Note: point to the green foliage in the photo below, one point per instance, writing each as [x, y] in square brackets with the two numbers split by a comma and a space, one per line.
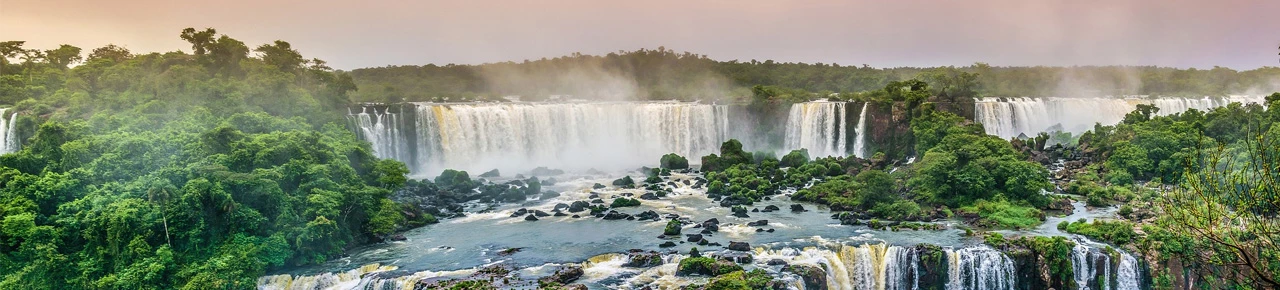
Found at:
[625, 182]
[674, 161]
[1116, 232]
[731, 154]
[624, 202]
[706, 266]
[795, 158]
[1002, 214]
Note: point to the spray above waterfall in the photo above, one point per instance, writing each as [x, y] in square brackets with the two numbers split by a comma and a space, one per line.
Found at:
[1010, 117]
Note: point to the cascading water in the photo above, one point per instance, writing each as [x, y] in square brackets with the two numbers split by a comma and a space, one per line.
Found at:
[1010, 117]
[8, 134]
[1096, 269]
[822, 127]
[518, 136]
[860, 144]
[979, 268]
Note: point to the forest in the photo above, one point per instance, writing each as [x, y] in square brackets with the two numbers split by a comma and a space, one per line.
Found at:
[210, 168]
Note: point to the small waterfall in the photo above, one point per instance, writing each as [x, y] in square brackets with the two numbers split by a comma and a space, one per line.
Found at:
[518, 136]
[860, 144]
[1096, 269]
[8, 135]
[979, 268]
[820, 126]
[848, 267]
[1010, 117]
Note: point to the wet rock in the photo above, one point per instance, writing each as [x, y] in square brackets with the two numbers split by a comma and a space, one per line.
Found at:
[549, 195]
[714, 244]
[615, 215]
[490, 174]
[558, 213]
[631, 218]
[597, 201]
[520, 212]
[813, 277]
[576, 216]
[672, 216]
[759, 230]
[705, 232]
[667, 244]
[776, 262]
[703, 242]
[736, 257]
[643, 259]
[594, 195]
[770, 208]
[759, 223]
[531, 218]
[647, 215]
[540, 213]
[739, 246]
[564, 275]
[769, 230]
[543, 171]
[560, 206]
[508, 252]
[649, 196]
[398, 238]
[797, 208]
[711, 225]
[694, 238]
[578, 206]
[755, 210]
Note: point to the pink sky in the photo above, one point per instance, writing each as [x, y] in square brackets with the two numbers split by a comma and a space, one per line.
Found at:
[1241, 34]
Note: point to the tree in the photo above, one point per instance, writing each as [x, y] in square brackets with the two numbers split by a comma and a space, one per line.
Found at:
[110, 52]
[65, 55]
[282, 55]
[1231, 207]
[200, 40]
[10, 49]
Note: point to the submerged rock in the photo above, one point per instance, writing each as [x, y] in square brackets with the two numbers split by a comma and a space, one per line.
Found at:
[759, 223]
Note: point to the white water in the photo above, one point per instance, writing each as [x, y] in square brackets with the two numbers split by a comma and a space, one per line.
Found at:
[1010, 117]
[821, 127]
[979, 268]
[860, 145]
[8, 136]
[1096, 270]
[519, 136]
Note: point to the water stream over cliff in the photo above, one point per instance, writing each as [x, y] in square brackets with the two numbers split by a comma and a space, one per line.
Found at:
[1010, 117]
[8, 134]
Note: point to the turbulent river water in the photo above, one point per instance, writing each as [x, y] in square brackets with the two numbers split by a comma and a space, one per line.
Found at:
[855, 257]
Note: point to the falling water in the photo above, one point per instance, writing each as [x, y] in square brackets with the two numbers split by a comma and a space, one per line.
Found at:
[821, 127]
[1095, 269]
[519, 136]
[1009, 117]
[867, 266]
[979, 268]
[8, 136]
[860, 145]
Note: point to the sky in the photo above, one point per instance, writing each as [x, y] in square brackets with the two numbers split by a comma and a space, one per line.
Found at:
[1240, 34]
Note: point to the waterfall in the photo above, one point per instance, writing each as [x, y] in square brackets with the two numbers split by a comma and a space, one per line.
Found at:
[848, 267]
[860, 144]
[979, 268]
[819, 126]
[1010, 117]
[8, 135]
[519, 136]
[1095, 269]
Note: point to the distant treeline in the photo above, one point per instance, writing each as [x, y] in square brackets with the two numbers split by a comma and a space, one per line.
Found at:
[664, 74]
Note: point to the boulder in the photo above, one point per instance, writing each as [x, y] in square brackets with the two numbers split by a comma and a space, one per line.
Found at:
[694, 238]
[615, 215]
[649, 196]
[598, 186]
[759, 223]
[530, 218]
[561, 206]
[597, 201]
[558, 213]
[540, 213]
[736, 257]
[813, 277]
[776, 262]
[647, 215]
[578, 206]
[667, 244]
[520, 212]
[797, 208]
[770, 208]
[643, 259]
[564, 275]
[739, 246]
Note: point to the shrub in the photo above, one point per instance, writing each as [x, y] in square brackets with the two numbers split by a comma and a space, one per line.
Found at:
[624, 202]
[1002, 214]
[673, 228]
[673, 161]
[796, 158]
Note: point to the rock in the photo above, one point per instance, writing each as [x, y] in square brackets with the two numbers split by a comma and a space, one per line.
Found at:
[705, 232]
[578, 206]
[813, 277]
[558, 213]
[647, 215]
[776, 262]
[739, 246]
[797, 208]
[540, 213]
[755, 210]
[549, 195]
[741, 215]
[711, 225]
[649, 196]
[508, 252]
[736, 257]
[759, 230]
[672, 216]
[597, 186]
[490, 174]
[576, 216]
[594, 195]
[667, 244]
[642, 259]
[770, 208]
[520, 212]
[759, 223]
[543, 171]
[597, 201]
[769, 230]
[703, 242]
[694, 238]
[399, 238]
[714, 244]
[531, 218]
[564, 276]
[561, 206]
[615, 215]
